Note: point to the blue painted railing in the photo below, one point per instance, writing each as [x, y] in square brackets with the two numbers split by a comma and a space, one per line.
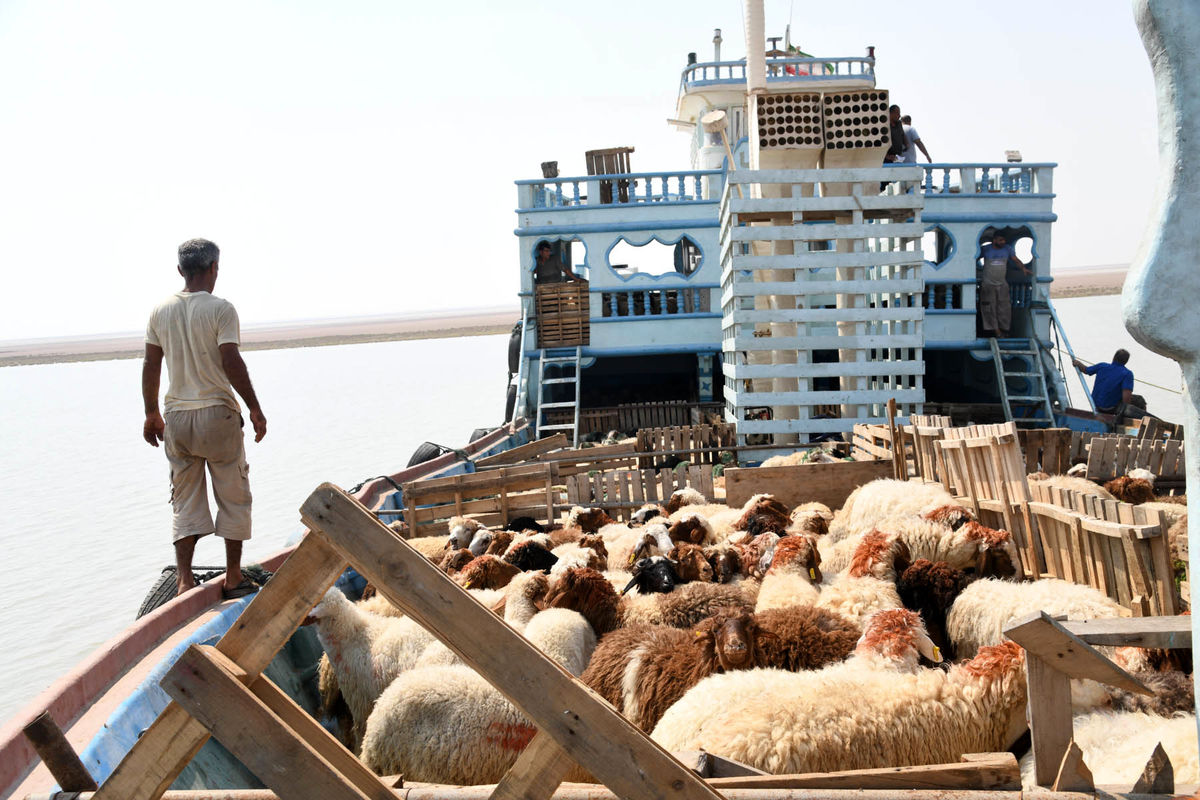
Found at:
[989, 180]
[948, 294]
[780, 70]
[665, 302]
[624, 189]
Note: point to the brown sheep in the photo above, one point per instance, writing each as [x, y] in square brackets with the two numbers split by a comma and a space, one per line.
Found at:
[930, 588]
[487, 572]
[723, 559]
[690, 604]
[686, 496]
[810, 518]
[1131, 490]
[560, 534]
[761, 514]
[879, 555]
[501, 540]
[596, 543]
[588, 520]
[690, 563]
[642, 671]
[798, 552]
[806, 637]
[587, 591]
[455, 560]
[692, 529]
[1174, 693]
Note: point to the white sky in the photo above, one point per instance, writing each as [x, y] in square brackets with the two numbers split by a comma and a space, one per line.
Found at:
[357, 158]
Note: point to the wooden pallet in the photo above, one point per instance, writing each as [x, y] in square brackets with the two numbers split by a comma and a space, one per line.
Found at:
[1047, 449]
[562, 314]
[675, 442]
[621, 492]
[492, 497]
[1113, 456]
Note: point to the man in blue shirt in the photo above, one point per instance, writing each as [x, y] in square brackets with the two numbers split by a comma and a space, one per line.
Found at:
[995, 304]
[1114, 382]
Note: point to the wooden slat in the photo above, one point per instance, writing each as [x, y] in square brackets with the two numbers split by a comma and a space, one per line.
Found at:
[1165, 632]
[211, 689]
[1046, 638]
[589, 730]
[830, 484]
[982, 771]
[536, 773]
[166, 747]
[523, 452]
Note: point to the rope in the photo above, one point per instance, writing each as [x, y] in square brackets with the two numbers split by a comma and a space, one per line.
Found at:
[1135, 380]
[364, 482]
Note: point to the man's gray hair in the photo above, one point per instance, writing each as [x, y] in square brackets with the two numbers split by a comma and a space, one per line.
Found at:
[197, 255]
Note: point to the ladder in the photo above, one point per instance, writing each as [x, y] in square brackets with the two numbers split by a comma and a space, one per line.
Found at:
[564, 357]
[1022, 353]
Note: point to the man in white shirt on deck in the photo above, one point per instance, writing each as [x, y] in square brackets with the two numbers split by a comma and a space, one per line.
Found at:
[913, 140]
[199, 335]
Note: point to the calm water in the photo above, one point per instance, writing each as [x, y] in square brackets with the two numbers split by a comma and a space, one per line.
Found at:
[86, 522]
[85, 525]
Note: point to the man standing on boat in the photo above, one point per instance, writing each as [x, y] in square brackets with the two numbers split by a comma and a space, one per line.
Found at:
[199, 336]
[549, 269]
[995, 300]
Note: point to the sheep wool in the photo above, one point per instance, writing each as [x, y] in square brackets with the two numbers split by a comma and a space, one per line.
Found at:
[1117, 745]
[1075, 484]
[882, 498]
[449, 725]
[852, 716]
[689, 604]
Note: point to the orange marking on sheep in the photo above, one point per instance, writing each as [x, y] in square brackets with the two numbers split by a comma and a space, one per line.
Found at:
[513, 738]
[795, 549]
[989, 536]
[875, 546]
[891, 633]
[995, 659]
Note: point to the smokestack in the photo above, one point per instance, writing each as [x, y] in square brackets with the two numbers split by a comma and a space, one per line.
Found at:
[756, 59]
[717, 45]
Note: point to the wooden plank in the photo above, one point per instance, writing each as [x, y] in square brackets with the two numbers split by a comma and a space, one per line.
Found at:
[1158, 776]
[983, 771]
[210, 688]
[1046, 638]
[536, 773]
[1166, 632]
[1073, 775]
[523, 452]
[1049, 715]
[589, 730]
[171, 741]
[56, 753]
[830, 484]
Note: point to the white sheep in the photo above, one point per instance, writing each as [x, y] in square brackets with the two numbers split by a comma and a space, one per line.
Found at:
[882, 498]
[868, 584]
[462, 531]
[1117, 745]
[852, 715]
[1073, 483]
[960, 549]
[793, 577]
[449, 725]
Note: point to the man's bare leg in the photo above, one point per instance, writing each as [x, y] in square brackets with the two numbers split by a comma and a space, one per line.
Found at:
[184, 549]
[233, 563]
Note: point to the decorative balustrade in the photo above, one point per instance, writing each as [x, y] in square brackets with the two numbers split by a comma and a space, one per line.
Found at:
[945, 295]
[780, 70]
[995, 179]
[646, 302]
[626, 189]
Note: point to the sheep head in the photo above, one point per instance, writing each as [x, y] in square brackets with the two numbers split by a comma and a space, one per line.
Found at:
[763, 513]
[691, 564]
[931, 582]
[724, 562]
[588, 520]
[730, 643]
[810, 518]
[646, 513]
[952, 516]
[596, 544]
[686, 496]
[455, 560]
[652, 575]
[487, 572]
[997, 556]
[500, 542]
[530, 555]
[522, 524]
[1131, 490]
[880, 555]
[897, 635]
[481, 542]
[532, 586]
[691, 528]
[462, 531]
[798, 555]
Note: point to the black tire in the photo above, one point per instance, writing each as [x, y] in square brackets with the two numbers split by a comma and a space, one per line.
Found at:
[425, 452]
[510, 403]
[514, 349]
[162, 591]
[479, 433]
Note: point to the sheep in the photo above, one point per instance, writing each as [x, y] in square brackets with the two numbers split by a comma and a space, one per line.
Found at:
[687, 496]
[522, 524]
[501, 541]
[1141, 474]
[881, 498]
[590, 593]
[365, 651]
[655, 540]
[588, 520]
[793, 576]
[1076, 484]
[931, 588]
[811, 518]
[644, 669]
[530, 555]
[869, 584]
[689, 604]
[646, 513]
[449, 725]
[431, 547]
[723, 559]
[593, 554]
[650, 575]
[487, 572]
[755, 553]
[991, 553]
[986, 607]
[690, 563]
[852, 715]
[805, 637]
[1174, 693]
[1173, 511]
[1130, 490]
[692, 528]
[1116, 746]
[762, 513]
[454, 560]
[462, 531]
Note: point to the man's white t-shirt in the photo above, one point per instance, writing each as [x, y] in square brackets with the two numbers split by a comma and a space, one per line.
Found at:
[190, 327]
[909, 156]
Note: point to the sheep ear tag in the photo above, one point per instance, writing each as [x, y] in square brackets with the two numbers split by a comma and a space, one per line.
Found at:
[937, 654]
[467, 585]
[631, 559]
[812, 573]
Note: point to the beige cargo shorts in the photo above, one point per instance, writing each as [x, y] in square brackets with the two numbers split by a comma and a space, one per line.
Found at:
[212, 437]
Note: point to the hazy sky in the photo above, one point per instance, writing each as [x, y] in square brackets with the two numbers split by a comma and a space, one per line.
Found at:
[357, 158]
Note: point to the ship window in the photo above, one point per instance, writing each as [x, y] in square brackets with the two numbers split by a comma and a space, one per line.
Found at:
[682, 257]
[937, 246]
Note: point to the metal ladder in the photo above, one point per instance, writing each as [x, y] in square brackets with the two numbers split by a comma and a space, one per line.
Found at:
[565, 357]
[1040, 398]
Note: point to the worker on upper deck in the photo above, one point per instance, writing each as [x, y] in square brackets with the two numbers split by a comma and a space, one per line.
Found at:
[995, 300]
[549, 268]
[1112, 391]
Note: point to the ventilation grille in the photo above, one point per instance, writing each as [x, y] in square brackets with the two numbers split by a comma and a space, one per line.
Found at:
[789, 121]
[856, 120]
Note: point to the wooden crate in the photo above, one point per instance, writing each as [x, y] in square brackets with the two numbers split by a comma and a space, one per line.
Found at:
[493, 498]
[1047, 450]
[664, 444]
[830, 484]
[621, 492]
[562, 314]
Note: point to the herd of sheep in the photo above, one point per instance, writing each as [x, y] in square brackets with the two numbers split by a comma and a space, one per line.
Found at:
[789, 639]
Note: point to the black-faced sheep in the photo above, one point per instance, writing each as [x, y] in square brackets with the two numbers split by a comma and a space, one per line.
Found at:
[530, 555]
[652, 575]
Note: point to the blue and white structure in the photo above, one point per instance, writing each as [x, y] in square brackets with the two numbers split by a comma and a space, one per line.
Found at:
[808, 283]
